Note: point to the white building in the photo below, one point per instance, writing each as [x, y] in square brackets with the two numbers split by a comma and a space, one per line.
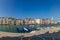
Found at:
[37, 21]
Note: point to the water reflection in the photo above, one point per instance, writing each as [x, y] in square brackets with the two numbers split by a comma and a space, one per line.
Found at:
[8, 28]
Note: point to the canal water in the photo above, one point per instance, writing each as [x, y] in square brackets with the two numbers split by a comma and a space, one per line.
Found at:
[12, 28]
[8, 28]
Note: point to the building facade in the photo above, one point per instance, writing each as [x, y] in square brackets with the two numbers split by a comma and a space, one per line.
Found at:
[19, 22]
[26, 21]
[31, 21]
[37, 21]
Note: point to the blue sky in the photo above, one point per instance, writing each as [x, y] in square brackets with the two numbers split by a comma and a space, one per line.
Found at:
[30, 8]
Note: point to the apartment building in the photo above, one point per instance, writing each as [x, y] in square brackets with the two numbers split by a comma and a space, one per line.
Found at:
[37, 21]
[19, 22]
[26, 21]
[31, 21]
[7, 20]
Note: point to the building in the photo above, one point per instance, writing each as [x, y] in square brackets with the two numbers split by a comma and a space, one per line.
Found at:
[13, 21]
[19, 22]
[37, 21]
[26, 21]
[1, 20]
[7, 20]
[31, 21]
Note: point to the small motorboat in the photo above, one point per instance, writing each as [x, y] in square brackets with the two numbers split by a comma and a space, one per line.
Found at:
[20, 29]
[26, 29]
[23, 29]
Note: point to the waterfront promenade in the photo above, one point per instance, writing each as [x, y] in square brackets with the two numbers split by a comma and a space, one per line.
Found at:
[39, 32]
[52, 33]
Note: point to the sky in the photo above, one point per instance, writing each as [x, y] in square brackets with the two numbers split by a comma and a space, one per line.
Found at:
[30, 8]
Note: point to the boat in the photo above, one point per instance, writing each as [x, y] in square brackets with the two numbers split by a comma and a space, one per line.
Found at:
[23, 29]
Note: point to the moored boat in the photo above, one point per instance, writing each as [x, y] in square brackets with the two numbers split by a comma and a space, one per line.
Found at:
[23, 29]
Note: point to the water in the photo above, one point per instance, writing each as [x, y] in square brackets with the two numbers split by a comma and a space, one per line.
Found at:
[12, 28]
[8, 28]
